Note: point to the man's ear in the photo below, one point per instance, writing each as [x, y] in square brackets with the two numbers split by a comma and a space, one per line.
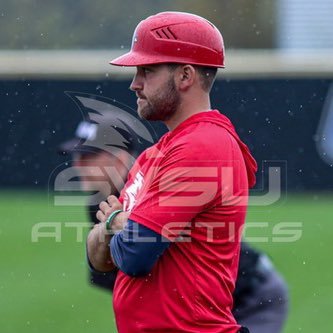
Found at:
[186, 76]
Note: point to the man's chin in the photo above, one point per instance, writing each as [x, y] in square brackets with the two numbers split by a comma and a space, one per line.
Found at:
[144, 113]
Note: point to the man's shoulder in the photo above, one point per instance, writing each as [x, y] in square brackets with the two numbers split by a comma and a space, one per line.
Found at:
[205, 135]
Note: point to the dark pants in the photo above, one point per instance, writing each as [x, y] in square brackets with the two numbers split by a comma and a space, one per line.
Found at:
[244, 330]
[265, 310]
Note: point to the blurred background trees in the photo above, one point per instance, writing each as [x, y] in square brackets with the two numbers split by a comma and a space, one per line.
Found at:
[104, 24]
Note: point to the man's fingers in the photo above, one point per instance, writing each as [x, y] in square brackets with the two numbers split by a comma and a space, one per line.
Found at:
[112, 199]
[101, 216]
[114, 202]
[105, 208]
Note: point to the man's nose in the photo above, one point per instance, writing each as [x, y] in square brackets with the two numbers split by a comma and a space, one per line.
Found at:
[137, 83]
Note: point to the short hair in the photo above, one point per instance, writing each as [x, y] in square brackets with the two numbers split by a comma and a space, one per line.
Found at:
[207, 75]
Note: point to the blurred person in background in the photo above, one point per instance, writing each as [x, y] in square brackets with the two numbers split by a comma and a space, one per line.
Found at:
[260, 296]
[103, 153]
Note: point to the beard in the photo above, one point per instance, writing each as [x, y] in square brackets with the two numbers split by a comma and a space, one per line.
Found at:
[163, 105]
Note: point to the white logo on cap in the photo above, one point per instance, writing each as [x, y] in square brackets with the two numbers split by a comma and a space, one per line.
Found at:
[86, 131]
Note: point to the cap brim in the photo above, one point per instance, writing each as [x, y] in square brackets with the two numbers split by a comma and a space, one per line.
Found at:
[69, 146]
[75, 145]
[134, 59]
[137, 59]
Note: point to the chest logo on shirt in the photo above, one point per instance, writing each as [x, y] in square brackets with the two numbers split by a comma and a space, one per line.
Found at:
[131, 192]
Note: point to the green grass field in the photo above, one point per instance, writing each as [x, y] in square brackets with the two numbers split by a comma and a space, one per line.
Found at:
[43, 285]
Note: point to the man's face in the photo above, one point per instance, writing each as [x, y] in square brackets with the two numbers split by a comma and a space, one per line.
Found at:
[158, 98]
[100, 171]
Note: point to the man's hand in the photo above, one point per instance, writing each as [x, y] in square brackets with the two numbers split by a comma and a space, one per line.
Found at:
[107, 207]
[98, 248]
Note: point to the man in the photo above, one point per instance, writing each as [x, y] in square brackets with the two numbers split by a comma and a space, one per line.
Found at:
[103, 150]
[179, 217]
[260, 296]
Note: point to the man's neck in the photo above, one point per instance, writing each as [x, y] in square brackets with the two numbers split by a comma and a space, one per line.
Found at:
[185, 111]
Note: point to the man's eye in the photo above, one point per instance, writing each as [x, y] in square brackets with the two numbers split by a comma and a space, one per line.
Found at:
[147, 70]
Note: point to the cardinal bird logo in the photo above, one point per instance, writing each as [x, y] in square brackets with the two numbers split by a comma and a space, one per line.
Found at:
[111, 126]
